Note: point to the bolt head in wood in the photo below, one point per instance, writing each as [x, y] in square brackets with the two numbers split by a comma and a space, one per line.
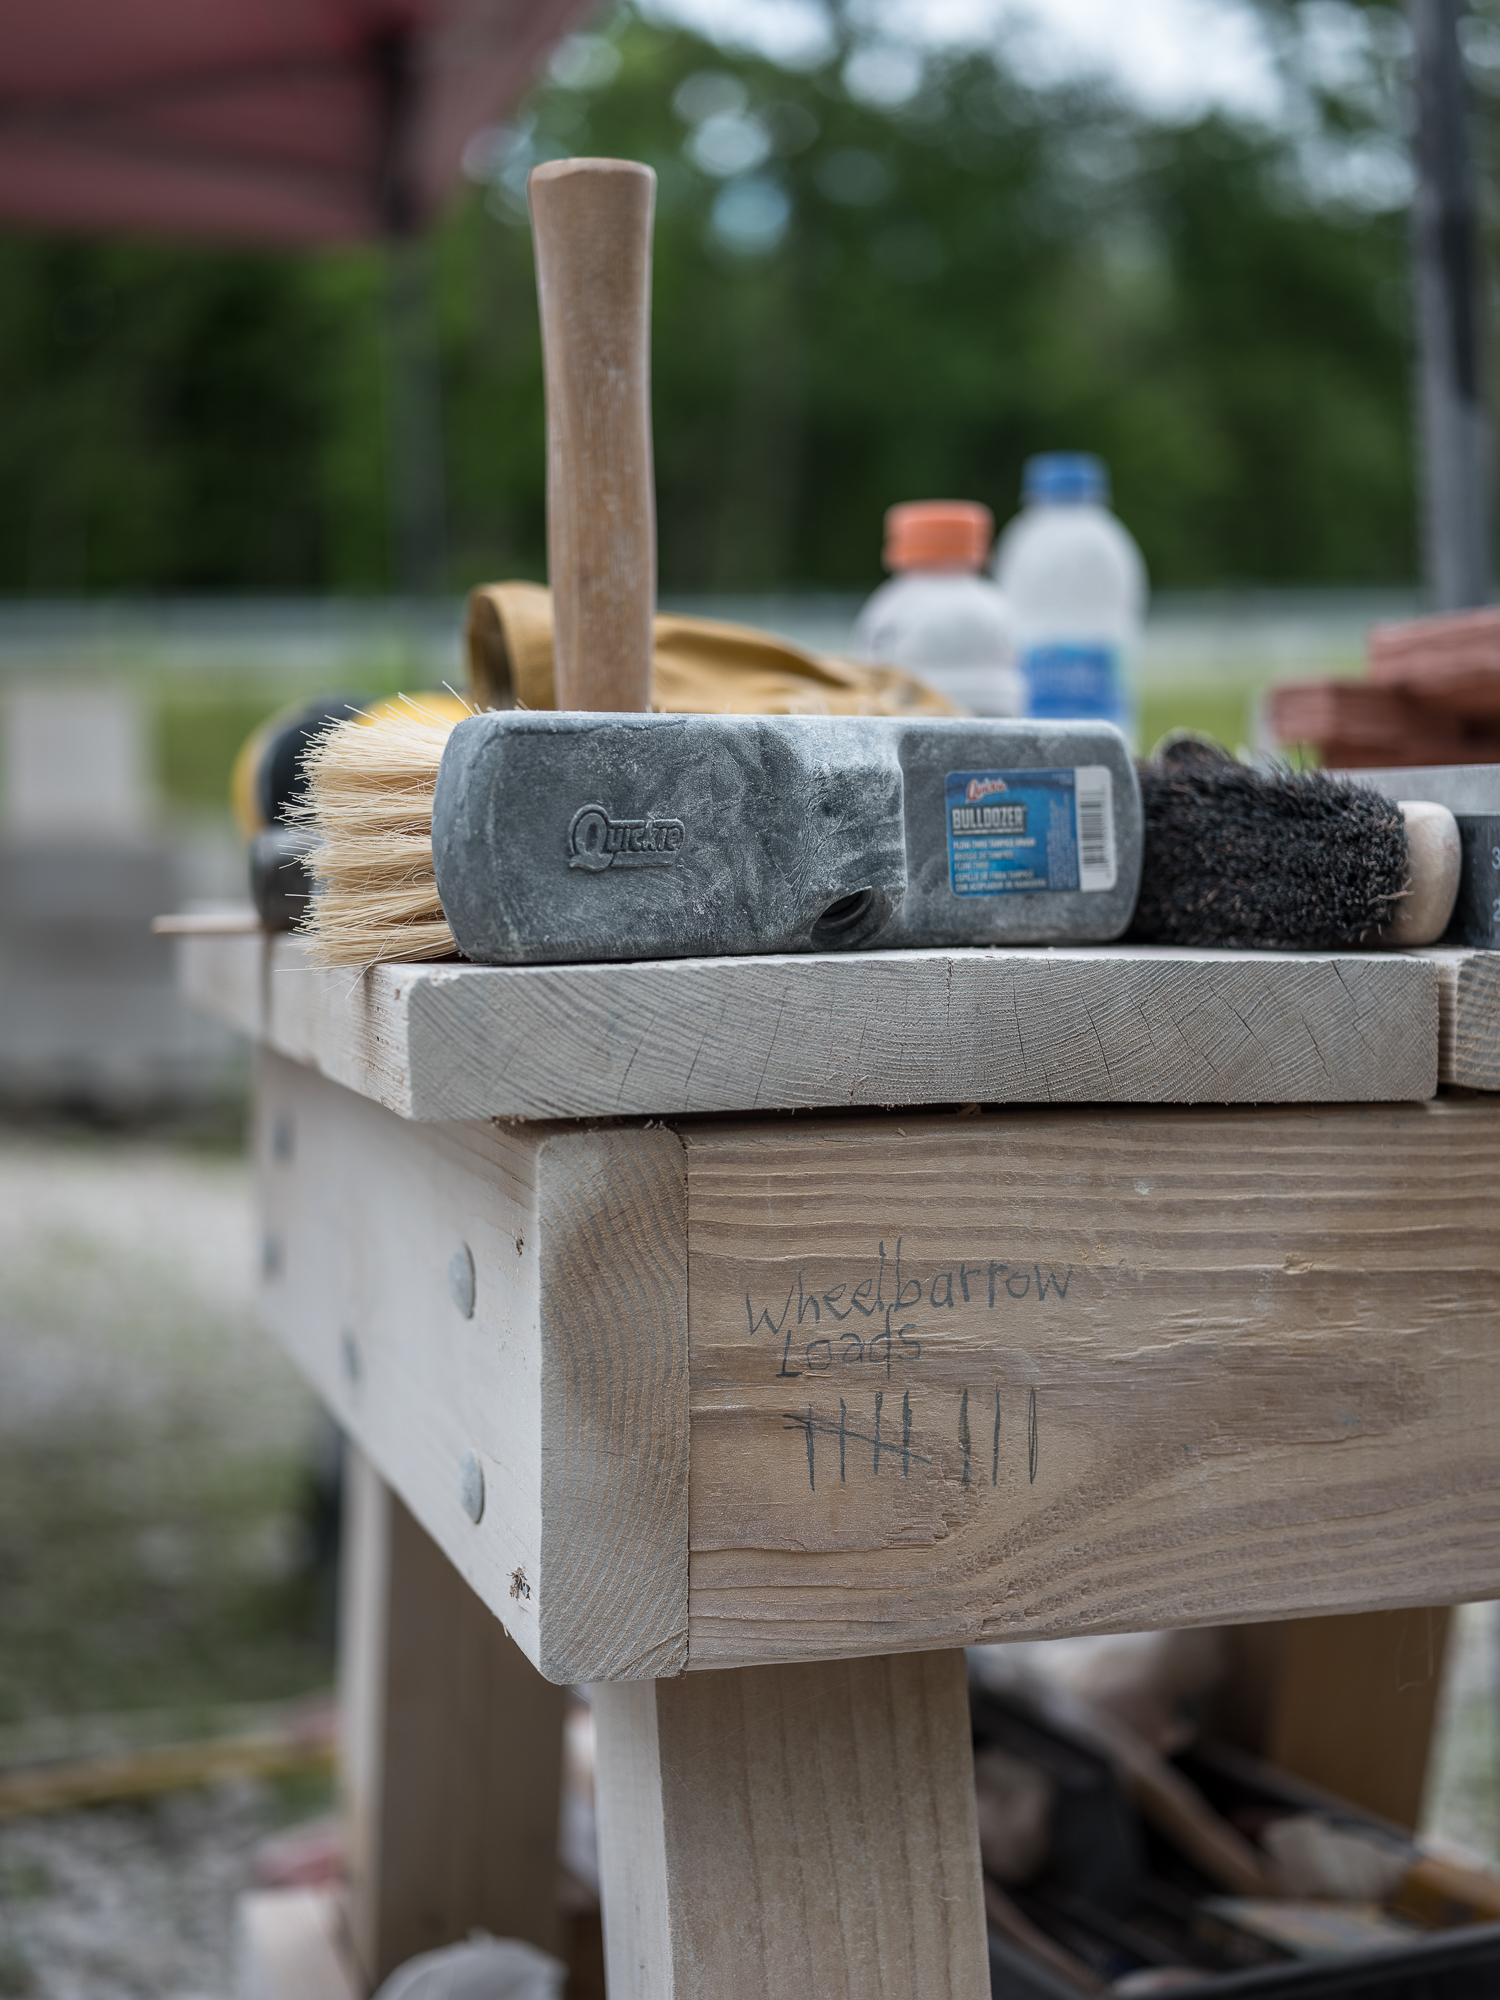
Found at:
[471, 1486]
[461, 1279]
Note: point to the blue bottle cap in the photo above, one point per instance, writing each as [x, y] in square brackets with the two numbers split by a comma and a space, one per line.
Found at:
[1058, 478]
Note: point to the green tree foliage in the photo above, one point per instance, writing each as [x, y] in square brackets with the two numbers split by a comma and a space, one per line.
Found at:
[857, 301]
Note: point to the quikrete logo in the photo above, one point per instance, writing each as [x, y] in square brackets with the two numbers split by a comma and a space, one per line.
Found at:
[596, 840]
[1007, 818]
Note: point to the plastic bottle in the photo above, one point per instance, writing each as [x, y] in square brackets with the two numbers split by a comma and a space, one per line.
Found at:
[1077, 588]
[939, 616]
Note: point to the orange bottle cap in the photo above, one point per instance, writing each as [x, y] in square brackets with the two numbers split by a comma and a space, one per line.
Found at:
[938, 534]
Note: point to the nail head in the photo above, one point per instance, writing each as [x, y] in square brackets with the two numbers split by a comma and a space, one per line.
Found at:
[471, 1486]
[461, 1279]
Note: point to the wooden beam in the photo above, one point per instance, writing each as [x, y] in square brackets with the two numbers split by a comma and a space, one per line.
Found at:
[1468, 1017]
[499, 1318]
[1242, 1363]
[1348, 1704]
[452, 1762]
[961, 1379]
[1106, 1024]
[785, 1831]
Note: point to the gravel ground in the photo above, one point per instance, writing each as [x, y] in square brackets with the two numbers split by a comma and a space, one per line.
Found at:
[128, 1903]
[155, 1457]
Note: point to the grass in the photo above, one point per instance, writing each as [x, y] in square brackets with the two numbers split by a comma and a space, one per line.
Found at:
[1225, 713]
[155, 1449]
[200, 727]
[146, 1568]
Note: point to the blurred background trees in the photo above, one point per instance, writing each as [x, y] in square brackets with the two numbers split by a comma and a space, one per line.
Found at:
[878, 277]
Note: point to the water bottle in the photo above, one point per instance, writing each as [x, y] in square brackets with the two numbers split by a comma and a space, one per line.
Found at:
[1076, 586]
[940, 617]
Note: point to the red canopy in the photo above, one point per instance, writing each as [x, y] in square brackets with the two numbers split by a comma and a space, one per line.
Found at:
[269, 120]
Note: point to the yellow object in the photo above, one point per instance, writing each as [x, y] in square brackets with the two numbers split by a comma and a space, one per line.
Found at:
[1445, 1894]
[700, 666]
[301, 1738]
[242, 799]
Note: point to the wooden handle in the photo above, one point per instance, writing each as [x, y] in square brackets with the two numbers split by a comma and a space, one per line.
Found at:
[591, 228]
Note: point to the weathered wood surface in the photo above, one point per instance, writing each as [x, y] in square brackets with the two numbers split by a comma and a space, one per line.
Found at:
[452, 1750]
[1037, 1372]
[591, 231]
[612, 1215]
[1107, 1024]
[499, 1315]
[1468, 1017]
[1211, 1365]
[779, 1832]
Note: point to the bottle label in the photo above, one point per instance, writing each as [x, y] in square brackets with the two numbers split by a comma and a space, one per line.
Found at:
[1074, 683]
[1019, 832]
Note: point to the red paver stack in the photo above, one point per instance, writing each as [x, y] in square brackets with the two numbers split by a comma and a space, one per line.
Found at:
[1432, 697]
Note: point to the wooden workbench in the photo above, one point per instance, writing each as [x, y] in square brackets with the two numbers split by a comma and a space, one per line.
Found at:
[805, 1320]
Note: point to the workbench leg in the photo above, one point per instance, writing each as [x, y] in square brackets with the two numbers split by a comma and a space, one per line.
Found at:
[1347, 1703]
[771, 1832]
[452, 1749]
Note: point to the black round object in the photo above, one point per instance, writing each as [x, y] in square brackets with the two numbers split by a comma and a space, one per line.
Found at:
[280, 781]
[1275, 860]
[280, 884]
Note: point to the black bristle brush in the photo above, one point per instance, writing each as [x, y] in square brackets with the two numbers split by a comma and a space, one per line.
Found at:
[1283, 860]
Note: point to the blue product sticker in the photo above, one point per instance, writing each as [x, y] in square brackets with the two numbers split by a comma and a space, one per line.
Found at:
[1020, 832]
[1074, 683]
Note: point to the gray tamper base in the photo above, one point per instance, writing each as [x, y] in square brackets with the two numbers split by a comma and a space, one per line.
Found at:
[560, 838]
[1471, 792]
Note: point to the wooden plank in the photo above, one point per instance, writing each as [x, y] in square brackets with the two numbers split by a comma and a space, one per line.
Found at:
[452, 1762]
[290, 1945]
[225, 977]
[612, 1207]
[783, 1831]
[1347, 1704]
[1034, 1372]
[1107, 1024]
[1468, 1017]
[557, 1404]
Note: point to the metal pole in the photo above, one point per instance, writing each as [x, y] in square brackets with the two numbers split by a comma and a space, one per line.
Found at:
[1457, 445]
[414, 419]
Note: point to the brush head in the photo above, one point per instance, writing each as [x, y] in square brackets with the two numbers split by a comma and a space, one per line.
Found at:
[370, 784]
[1263, 860]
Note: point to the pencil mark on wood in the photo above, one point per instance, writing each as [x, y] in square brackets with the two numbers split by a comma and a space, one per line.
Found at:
[813, 1425]
[985, 1284]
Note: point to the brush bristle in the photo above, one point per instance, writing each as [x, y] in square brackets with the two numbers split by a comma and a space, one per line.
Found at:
[1263, 860]
[369, 800]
